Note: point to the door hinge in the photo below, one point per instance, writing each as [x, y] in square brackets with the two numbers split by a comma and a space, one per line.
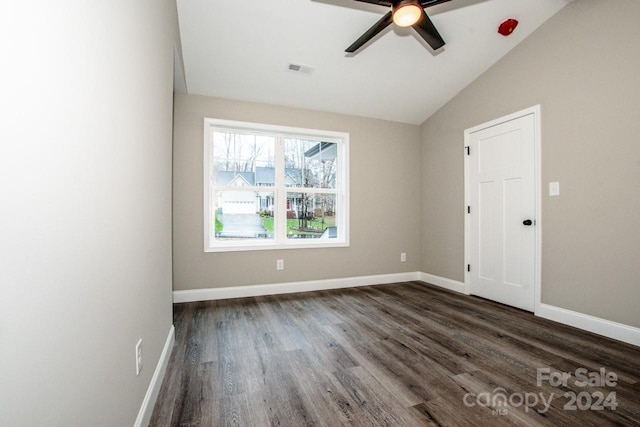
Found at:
[468, 267]
[468, 148]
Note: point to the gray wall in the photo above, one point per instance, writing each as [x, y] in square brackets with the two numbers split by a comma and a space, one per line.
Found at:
[385, 200]
[582, 67]
[85, 190]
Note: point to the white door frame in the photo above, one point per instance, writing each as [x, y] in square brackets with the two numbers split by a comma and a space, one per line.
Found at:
[535, 111]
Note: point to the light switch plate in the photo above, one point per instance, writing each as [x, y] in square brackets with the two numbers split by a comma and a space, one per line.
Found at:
[554, 188]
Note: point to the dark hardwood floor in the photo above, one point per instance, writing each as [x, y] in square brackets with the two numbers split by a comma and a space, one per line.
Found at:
[405, 354]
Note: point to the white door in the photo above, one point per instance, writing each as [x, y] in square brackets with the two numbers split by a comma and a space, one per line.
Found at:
[500, 177]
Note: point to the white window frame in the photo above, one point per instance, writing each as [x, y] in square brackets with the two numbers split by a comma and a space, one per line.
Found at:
[280, 240]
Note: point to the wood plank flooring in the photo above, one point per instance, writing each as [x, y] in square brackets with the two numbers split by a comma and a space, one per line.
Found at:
[406, 354]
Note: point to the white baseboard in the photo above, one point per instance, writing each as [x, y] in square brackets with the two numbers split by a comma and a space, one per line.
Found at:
[290, 287]
[452, 285]
[146, 409]
[607, 328]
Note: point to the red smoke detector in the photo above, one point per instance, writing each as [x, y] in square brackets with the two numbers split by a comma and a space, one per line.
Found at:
[508, 26]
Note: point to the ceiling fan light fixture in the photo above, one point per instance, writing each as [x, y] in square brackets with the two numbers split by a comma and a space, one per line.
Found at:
[406, 13]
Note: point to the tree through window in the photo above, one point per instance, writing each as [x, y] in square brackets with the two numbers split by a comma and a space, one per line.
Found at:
[272, 187]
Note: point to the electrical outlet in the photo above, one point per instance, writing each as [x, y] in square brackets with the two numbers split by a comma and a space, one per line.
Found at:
[139, 357]
[280, 264]
[403, 257]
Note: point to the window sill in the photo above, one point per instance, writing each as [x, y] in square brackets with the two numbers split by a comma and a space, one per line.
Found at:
[274, 247]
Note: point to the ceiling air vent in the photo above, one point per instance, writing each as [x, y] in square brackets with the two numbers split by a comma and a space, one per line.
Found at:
[300, 69]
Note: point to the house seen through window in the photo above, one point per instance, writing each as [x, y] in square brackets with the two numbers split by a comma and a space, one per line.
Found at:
[273, 187]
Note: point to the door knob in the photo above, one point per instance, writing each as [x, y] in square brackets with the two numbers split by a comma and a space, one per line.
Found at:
[527, 222]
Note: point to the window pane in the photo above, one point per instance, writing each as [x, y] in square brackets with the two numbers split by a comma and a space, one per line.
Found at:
[311, 216]
[243, 215]
[310, 163]
[273, 187]
[243, 159]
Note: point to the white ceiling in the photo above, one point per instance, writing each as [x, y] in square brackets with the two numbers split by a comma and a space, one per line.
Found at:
[242, 49]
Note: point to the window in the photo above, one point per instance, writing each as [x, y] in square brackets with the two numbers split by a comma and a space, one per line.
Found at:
[272, 187]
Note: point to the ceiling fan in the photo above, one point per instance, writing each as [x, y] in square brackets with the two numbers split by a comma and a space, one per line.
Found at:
[403, 13]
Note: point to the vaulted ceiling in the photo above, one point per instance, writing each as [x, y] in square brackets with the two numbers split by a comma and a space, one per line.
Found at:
[243, 49]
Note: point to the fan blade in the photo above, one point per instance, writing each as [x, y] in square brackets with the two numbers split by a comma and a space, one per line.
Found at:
[378, 2]
[371, 32]
[429, 3]
[428, 32]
